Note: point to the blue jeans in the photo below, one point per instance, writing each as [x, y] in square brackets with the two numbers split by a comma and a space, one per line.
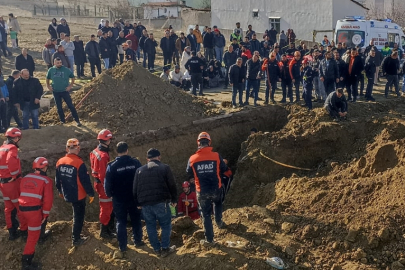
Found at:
[218, 53]
[237, 88]
[205, 202]
[58, 96]
[26, 116]
[71, 60]
[122, 210]
[255, 84]
[138, 52]
[160, 212]
[106, 62]
[198, 47]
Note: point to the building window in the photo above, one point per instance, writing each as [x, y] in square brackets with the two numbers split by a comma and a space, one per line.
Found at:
[255, 13]
[275, 22]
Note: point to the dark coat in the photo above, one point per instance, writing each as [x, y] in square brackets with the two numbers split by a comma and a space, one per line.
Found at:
[168, 46]
[52, 31]
[370, 67]
[63, 29]
[358, 66]
[252, 69]
[208, 40]
[330, 72]
[153, 184]
[254, 45]
[35, 91]
[105, 49]
[63, 57]
[193, 42]
[92, 50]
[335, 103]
[11, 92]
[230, 58]
[390, 66]
[236, 74]
[150, 46]
[79, 54]
[22, 63]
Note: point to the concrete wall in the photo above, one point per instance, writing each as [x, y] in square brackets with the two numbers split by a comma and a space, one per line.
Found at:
[155, 12]
[303, 16]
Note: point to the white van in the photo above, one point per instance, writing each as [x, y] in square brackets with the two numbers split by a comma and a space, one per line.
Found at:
[355, 32]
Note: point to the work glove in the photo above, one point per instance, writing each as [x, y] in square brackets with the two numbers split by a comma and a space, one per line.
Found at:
[186, 203]
[91, 199]
[61, 195]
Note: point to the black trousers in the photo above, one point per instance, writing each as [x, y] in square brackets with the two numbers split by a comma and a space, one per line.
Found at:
[287, 90]
[333, 113]
[352, 87]
[297, 89]
[95, 62]
[370, 84]
[80, 70]
[3, 115]
[227, 76]
[3, 48]
[12, 111]
[329, 85]
[361, 81]
[196, 81]
[79, 209]
[113, 60]
[151, 60]
[167, 59]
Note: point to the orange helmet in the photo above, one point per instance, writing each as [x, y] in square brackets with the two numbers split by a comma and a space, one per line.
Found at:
[185, 184]
[204, 135]
[13, 133]
[72, 143]
[104, 135]
[39, 163]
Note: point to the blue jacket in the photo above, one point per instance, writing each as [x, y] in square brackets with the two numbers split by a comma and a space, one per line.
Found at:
[119, 178]
[219, 40]
[4, 91]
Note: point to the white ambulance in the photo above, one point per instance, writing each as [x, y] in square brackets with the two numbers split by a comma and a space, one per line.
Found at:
[357, 31]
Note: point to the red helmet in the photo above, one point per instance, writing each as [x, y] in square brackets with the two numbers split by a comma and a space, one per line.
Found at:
[13, 133]
[204, 135]
[185, 184]
[305, 61]
[39, 163]
[104, 135]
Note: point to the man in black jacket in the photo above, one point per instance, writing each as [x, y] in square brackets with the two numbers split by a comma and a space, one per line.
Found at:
[168, 46]
[355, 69]
[390, 67]
[149, 49]
[253, 75]
[28, 92]
[195, 67]
[25, 61]
[229, 59]
[370, 69]
[237, 79]
[93, 51]
[105, 49]
[79, 55]
[154, 189]
[336, 105]
[342, 67]
[12, 110]
[208, 42]
[273, 72]
[141, 45]
[329, 73]
[118, 185]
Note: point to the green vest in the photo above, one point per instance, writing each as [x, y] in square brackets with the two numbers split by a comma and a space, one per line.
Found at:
[237, 37]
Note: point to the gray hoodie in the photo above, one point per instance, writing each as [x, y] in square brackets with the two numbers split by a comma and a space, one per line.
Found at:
[69, 47]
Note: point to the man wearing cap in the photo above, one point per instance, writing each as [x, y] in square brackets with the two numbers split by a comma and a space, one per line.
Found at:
[219, 44]
[69, 48]
[119, 181]
[79, 56]
[60, 88]
[63, 27]
[208, 42]
[154, 189]
[73, 184]
[93, 54]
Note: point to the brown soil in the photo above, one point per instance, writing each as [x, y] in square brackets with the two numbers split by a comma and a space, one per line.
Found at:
[130, 99]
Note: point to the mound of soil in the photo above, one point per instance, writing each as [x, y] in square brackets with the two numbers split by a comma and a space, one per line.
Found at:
[347, 210]
[129, 99]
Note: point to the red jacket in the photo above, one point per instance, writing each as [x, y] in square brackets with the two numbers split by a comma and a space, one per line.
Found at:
[10, 166]
[192, 207]
[37, 190]
[99, 159]
[134, 40]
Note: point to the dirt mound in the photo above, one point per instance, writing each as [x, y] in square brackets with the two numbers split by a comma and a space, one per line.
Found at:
[130, 99]
[342, 208]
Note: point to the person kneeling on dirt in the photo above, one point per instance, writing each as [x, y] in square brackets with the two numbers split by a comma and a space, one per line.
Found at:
[165, 74]
[187, 205]
[35, 203]
[336, 105]
[176, 78]
[73, 183]
[203, 166]
[118, 184]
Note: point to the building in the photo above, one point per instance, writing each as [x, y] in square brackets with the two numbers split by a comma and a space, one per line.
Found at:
[304, 16]
[156, 9]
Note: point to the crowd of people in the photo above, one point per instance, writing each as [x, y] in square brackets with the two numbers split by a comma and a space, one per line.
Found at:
[125, 188]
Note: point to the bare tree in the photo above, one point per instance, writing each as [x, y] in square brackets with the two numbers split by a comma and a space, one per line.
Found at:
[206, 4]
[396, 14]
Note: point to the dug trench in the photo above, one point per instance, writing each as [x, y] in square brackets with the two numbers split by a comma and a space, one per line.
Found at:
[345, 211]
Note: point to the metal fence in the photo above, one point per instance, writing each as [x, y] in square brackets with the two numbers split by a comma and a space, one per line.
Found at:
[56, 10]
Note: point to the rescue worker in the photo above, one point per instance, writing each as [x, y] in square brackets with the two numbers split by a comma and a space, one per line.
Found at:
[187, 205]
[119, 181]
[227, 177]
[35, 203]
[99, 159]
[307, 75]
[73, 184]
[295, 74]
[10, 178]
[386, 50]
[206, 167]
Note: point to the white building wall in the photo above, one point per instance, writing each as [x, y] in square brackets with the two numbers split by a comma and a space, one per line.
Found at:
[155, 12]
[303, 16]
